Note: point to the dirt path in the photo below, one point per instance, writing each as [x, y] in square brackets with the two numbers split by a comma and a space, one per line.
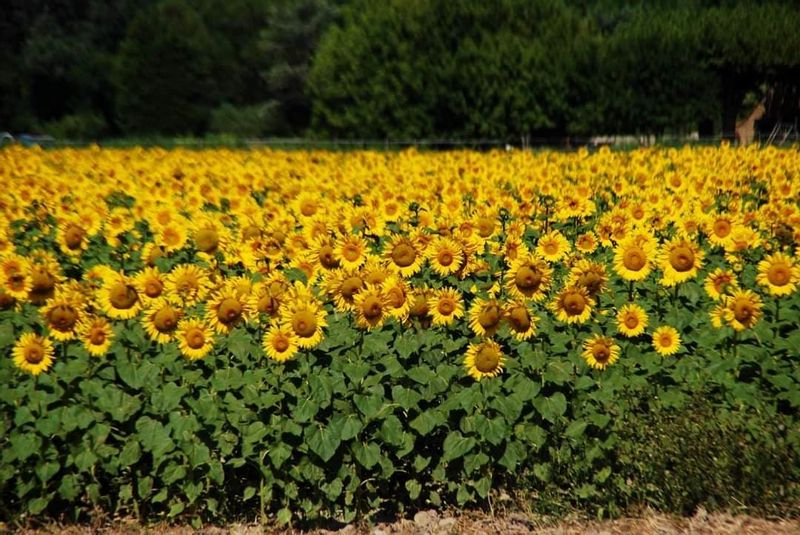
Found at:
[432, 523]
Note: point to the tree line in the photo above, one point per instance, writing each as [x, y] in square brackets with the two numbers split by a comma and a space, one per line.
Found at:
[399, 69]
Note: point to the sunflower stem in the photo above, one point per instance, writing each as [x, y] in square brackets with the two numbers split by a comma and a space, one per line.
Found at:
[630, 291]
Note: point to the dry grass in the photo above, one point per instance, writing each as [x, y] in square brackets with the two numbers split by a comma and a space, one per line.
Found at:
[430, 523]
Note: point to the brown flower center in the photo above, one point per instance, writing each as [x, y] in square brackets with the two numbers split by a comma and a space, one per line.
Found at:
[487, 359]
[122, 296]
[280, 343]
[403, 255]
[229, 311]
[195, 338]
[34, 354]
[485, 227]
[304, 323]
[62, 318]
[419, 307]
[601, 352]
[6, 301]
[207, 240]
[574, 303]
[267, 304]
[779, 274]
[550, 247]
[351, 252]
[308, 208]
[327, 258]
[73, 237]
[682, 259]
[371, 308]
[396, 297]
[97, 336]
[446, 306]
[634, 258]
[445, 257]
[722, 228]
[592, 281]
[528, 279]
[251, 232]
[153, 288]
[489, 316]
[519, 319]
[743, 310]
[166, 320]
[351, 287]
[631, 321]
[376, 277]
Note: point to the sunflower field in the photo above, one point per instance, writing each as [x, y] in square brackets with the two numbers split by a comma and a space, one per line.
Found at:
[303, 336]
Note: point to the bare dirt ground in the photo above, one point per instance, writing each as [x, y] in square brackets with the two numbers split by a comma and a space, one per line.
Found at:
[432, 523]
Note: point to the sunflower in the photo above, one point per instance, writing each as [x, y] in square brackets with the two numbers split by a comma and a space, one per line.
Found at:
[743, 309]
[7, 301]
[72, 238]
[62, 315]
[666, 340]
[149, 283]
[96, 335]
[118, 298]
[226, 310]
[572, 305]
[445, 306]
[195, 339]
[553, 246]
[343, 286]
[586, 242]
[304, 316]
[520, 320]
[600, 351]
[150, 253]
[324, 253]
[484, 359]
[398, 299]
[529, 277]
[419, 308]
[485, 316]
[589, 275]
[631, 320]
[403, 256]
[280, 343]
[161, 320]
[43, 279]
[351, 250]
[445, 256]
[633, 257]
[171, 237]
[679, 260]
[779, 274]
[719, 227]
[374, 271]
[33, 354]
[719, 283]
[209, 236]
[371, 307]
[14, 271]
[187, 284]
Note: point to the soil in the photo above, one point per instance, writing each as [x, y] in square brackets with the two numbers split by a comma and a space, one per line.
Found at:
[433, 523]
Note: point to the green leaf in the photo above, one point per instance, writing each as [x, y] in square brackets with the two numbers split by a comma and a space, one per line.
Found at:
[284, 516]
[306, 410]
[249, 492]
[172, 473]
[322, 441]
[154, 437]
[576, 429]
[37, 505]
[167, 398]
[426, 421]
[558, 373]
[494, 430]
[369, 405]
[130, 453]
[46, 470]
[367, 455]
[392, 430]
[405, 397]
[456, 446]
[278, 454]
[414, 488]
[552, 407]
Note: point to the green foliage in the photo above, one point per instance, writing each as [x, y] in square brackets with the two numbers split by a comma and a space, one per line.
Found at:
[162, 71]
[84, 126]
[246, 121]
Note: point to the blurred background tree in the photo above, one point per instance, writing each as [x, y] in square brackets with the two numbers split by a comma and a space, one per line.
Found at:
[401, 69]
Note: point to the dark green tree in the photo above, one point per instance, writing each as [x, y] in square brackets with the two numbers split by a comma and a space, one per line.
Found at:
[163, 71]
